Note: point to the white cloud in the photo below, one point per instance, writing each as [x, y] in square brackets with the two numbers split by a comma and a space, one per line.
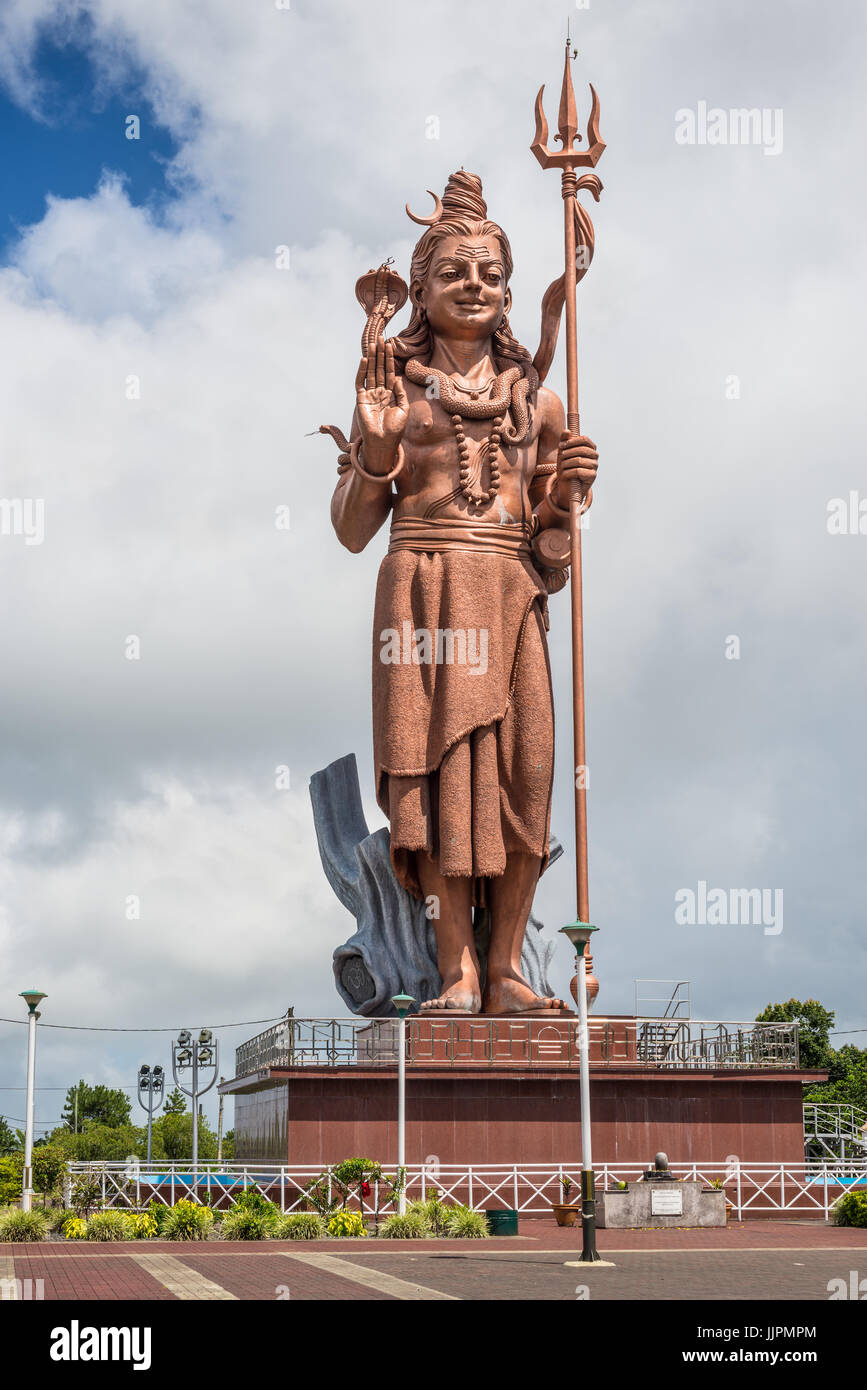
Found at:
[709, 516]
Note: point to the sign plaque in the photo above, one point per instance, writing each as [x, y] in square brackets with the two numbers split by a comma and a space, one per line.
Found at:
[666, 1201]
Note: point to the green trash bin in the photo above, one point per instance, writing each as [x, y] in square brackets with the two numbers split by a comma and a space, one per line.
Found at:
[502, 1221]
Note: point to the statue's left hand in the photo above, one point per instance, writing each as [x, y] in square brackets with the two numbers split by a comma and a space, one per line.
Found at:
[577, 462]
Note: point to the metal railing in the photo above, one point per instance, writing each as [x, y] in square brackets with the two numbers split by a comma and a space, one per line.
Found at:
[834, 1131]
[675, 998]
[653, 1042]
[751, 1189]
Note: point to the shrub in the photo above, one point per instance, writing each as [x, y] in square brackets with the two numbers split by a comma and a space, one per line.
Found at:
[23, 1225]
[251, 1199]
[434, 1212]
[108, 1225]
[356, 1169]
[58, 1218]
[466, 1224]
[188, 1221]
[302, 1225]
[159, 1213]
[851, 1210]
[413, 1226]
[346, 1223]
[86, 1194]
[141, 1225]
[243, 1224]
[74, 1228]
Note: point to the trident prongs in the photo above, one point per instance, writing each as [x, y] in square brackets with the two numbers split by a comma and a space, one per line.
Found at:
[569, 157]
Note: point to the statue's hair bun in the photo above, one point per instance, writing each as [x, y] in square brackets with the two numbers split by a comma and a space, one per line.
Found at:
[463, 198]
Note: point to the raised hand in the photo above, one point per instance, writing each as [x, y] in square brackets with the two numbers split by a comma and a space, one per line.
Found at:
[382, 407]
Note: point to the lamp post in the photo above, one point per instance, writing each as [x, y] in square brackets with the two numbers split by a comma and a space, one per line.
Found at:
[151, 1084]
[204, 1052]
[32, 998]
[579, 934]
[402, 1003]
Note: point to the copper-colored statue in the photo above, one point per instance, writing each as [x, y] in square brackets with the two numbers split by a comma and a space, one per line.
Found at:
[457, 443]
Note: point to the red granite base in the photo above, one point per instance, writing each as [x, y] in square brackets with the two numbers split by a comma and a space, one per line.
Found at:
[491, 1114]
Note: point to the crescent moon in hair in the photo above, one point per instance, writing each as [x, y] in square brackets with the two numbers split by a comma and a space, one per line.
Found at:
[435, 215]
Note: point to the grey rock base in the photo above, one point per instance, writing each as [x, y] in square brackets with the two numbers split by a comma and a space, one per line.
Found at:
[393, 950]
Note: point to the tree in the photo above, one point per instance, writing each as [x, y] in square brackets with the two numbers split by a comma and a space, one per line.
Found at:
[11, 1169]
[8, 1138]
[96, 1105]
[173, 1138]
[102, 1142]
[815, 1023]
[175, 1103]
[49, 1167]
[847, 1079]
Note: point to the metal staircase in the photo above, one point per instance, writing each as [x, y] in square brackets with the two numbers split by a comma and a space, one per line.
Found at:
[837, 1132]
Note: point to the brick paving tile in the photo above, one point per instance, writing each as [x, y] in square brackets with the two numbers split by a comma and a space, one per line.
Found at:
[747, 1235]
[680, 1275]
[763, 1260]
[94, 1278]
[180, 1278]
[267, 1276]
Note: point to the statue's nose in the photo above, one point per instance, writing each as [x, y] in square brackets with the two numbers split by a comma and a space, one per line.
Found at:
[472, 277]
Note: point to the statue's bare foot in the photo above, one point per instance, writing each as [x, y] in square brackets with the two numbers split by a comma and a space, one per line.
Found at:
[510, 994]
[462, 993]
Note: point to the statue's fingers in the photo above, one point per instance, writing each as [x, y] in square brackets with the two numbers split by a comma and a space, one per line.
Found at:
[361, 375]
[389, 366]
[400, 397]
[380, 363]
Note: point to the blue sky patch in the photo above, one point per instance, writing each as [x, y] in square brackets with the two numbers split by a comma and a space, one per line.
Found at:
[83, 132]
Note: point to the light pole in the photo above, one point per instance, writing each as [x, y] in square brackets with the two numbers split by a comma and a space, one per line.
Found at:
[401, 1002]
[32, 998]
[579, 934]
[202, 1053]
[151, 1084]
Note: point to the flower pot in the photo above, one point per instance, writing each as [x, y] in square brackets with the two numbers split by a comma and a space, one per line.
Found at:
[566, 1213]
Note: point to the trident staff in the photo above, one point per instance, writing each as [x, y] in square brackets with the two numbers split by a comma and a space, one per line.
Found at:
[579, 251]
[578, 231]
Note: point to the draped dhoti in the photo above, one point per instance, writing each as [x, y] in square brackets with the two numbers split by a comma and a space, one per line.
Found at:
[463, 722]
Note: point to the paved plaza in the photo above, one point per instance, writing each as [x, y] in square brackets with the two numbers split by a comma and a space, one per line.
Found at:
[755, 1261]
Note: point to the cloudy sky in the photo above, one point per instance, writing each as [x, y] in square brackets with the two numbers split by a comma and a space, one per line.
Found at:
[161, 373]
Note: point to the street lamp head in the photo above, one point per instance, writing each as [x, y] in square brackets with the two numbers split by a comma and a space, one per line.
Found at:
[402, 1003]
[205, 1036]
[579, 934]
[144, 1069]
[184, 1037]
[32, 998]
[206, 1056]
[158, 1073]
[184, 1057]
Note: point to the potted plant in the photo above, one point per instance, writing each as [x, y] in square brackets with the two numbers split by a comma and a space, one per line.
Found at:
[565, 1212]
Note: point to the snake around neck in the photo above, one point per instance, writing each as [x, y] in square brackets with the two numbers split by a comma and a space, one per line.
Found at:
[511, 391]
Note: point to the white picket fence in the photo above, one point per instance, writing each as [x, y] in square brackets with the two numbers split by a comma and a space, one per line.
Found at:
[753, 1189]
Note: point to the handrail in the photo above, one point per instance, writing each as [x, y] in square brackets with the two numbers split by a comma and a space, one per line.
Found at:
[647, 1041]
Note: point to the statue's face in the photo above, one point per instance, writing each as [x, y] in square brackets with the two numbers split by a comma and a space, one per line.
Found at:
[465, 293]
